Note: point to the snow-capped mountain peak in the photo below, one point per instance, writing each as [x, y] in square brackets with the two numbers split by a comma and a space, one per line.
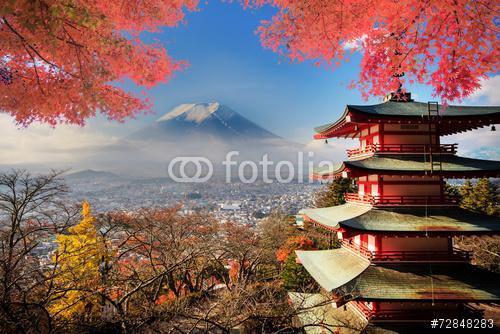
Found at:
[202, 120]
[193, 112]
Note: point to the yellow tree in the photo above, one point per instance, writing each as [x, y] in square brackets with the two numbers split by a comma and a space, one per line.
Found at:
[77, 260]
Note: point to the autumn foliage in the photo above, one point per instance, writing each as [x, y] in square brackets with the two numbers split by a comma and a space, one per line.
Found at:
[59, 59]
[77, 260]
[449, 44]
[294, 243]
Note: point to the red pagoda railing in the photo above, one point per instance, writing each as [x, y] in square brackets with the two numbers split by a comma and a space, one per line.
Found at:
[418, 315]
[361, 250]
[402, 149]
[455, 255]
[401, 199]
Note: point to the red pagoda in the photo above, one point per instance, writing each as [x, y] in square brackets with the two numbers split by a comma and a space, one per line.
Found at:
[397, 263]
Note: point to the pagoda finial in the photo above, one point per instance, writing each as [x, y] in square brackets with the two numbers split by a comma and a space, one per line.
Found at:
[399, 96]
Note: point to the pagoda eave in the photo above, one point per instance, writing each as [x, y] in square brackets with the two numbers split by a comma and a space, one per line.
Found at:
[449, 166]
[402, 220]
[354, 172]
[453, 119]
[407, 282]
[349, 232]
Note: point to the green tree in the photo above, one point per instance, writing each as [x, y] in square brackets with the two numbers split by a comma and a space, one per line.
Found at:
[482, 197]
[467, 195]
[334, 193]
[487, 197]
[294, 276]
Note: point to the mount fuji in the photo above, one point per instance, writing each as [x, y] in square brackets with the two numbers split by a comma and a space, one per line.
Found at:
[202, 130]
[202, 121]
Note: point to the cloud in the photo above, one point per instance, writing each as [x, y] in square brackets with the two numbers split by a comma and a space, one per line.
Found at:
[334, 150]
[41, 144]
[480, 143]
[489, 91]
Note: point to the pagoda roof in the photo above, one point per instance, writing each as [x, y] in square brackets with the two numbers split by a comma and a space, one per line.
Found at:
[330, 217]
[403, 219]
[419, 109]
[334, 267]
[408, 111]
[315, 312]
[452, 165]
[462, 282]
[345, 273]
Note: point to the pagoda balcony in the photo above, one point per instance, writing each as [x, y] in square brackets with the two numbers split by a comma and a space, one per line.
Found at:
[412, 315]
[401, 149]
[464, 311]
[454, 255]
[398, 200]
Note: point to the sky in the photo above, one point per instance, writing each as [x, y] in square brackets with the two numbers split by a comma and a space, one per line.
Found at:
[227, 64]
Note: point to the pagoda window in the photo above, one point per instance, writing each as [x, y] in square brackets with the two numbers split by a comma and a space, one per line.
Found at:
[405, 139]
[374, 128]
[371, 245]
[415, 244]
[409, 189]
[361, 187]
[357, 240]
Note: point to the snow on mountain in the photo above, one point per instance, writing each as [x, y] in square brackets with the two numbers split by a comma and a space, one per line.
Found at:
[191, 112]
[202, 120]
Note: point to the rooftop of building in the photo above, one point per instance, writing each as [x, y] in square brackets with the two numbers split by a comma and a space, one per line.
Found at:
[413, 112]
[348, 276]
[333, 268]
[419, 219]
[449, 282]
[451, 165]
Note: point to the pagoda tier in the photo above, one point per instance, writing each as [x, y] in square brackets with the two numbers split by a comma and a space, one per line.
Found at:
[391, 118]
[410, 179]
[352, 219]
[389, 281]
[388, 292]
[401, 233]
[450, 166]
[319, 316]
